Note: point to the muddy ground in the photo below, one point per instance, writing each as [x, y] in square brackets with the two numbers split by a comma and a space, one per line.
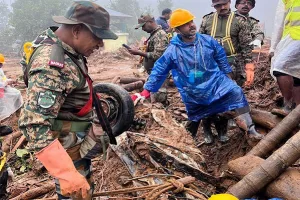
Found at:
[264, 94]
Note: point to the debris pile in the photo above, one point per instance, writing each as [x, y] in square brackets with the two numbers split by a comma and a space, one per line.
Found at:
[157, 152]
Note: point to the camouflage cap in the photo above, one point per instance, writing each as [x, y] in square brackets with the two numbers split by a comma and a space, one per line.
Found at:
[90, 14]
[143, 20]
[218, 2]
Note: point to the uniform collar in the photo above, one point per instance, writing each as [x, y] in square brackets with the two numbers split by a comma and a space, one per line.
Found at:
[237, 12]
[51, 34]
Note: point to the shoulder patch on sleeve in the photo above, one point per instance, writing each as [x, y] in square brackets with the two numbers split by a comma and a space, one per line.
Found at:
[57, 57]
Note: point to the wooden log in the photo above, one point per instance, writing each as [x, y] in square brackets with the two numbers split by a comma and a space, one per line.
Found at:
[286, 186]
[19, 143]
[268, 170]
[36, 192]
[264, 118]
[6, 144]
[276, 135]
[126, 80]
[133, 86]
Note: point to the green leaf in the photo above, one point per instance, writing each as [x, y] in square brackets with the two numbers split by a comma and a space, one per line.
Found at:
[21, 152]
[23, 168]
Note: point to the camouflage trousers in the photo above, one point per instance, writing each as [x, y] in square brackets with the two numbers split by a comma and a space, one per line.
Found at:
[238, 71]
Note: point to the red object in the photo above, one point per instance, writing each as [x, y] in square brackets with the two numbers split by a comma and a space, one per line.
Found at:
[89, 105]
[1, 92]
[144, 93]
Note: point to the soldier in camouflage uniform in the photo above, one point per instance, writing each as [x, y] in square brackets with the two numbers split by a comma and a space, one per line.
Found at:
[156, 44]
[243, 8]
[57, 113]
[232, 31]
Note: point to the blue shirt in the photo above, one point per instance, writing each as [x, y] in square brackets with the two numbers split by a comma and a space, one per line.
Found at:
[163, 23]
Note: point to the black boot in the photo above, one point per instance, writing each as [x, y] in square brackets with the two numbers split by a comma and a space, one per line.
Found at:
[192, 128]
[250, 127]
[221, 124]
[207, 133]
[5, 130]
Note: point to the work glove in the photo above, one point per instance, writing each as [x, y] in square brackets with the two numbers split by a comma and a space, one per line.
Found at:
[59, 165]
[145, 94]
[256, 43]
[249, 73]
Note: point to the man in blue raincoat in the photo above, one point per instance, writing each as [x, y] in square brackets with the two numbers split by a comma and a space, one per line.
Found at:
[201, 73]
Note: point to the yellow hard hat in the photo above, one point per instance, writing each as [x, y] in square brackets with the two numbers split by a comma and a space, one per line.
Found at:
[180, 17]
[223, 197]
[2, 58]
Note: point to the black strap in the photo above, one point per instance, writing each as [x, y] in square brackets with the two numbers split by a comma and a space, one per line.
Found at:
[103, 120]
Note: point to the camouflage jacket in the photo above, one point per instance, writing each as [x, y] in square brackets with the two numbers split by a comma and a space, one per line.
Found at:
[157, 44]
[256, 31]
[55, 94]
[240, 33]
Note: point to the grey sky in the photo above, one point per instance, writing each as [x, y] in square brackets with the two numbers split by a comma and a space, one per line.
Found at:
[264, 10]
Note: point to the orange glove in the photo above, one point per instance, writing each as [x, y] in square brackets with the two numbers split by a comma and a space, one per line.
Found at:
[249, 73]
[59, 165]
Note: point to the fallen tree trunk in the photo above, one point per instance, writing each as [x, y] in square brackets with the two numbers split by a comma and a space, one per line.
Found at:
[133, 86]
[36, 192]
[6, 144]
[126, 80]
[265, 119]
[286, 186]
[276, 135]
[268, 170]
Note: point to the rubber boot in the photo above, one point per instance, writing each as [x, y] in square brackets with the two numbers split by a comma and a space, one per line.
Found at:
[221, 124]
[192, 128]
[207, 133]
[245, 122]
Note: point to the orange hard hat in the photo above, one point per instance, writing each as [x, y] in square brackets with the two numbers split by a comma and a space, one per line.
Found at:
[1, 58]
[223, 197]
[180, 17]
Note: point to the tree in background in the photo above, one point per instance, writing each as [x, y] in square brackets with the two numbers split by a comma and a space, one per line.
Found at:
[4, 27]
[132, 8]
[31, 17]
[163, 4]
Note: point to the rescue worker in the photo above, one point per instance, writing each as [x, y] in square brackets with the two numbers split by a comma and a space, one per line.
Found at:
[163, 20]
[57, 115]
[155, 45]
[4, 130]
[232, 31]
[201, 73]
[285, 48]
[243, 8]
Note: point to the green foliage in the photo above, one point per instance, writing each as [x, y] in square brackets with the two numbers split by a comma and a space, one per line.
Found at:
[4, 14]
[31, 17]
[22, 162]
[163, 4]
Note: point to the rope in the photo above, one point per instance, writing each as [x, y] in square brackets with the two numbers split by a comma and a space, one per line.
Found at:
[176, 186]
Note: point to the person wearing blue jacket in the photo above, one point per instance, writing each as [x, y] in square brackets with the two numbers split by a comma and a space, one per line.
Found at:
[201, 73]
